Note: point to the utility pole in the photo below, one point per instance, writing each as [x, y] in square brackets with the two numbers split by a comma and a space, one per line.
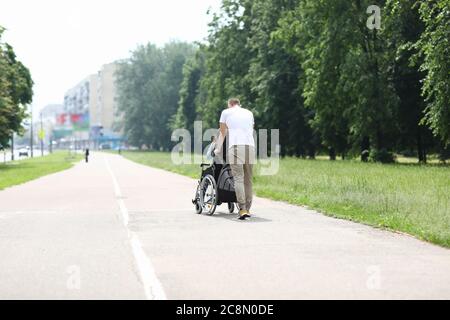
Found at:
[41, 134]
[31, 133]
[50, 146]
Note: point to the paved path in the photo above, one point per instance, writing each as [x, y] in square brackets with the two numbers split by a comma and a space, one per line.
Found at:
[113, 229]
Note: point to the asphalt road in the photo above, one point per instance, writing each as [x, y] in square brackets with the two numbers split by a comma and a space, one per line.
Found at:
[113, 229]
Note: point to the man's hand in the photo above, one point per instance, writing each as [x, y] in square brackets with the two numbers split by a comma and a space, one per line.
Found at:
[222, 135]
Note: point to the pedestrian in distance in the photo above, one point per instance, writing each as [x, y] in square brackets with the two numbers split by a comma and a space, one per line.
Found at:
[238, 123]
[86, 155]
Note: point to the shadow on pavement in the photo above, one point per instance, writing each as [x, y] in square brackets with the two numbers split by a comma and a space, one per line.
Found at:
[234, 217]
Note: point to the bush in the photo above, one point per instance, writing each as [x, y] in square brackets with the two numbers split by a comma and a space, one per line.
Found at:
[444, 154]
[382, 156]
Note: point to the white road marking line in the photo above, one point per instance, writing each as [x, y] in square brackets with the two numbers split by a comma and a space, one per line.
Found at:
[124, 211]
[152, 286]
[153, 289]
[118, 193]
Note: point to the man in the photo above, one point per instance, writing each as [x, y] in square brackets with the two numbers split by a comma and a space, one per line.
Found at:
[238, 123]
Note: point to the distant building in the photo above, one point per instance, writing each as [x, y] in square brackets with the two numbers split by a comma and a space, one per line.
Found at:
[76, 100]
[106, 93]
[89, 111]
[103, 132]
[93, 99]
[44, 124]
[74, 122]
[50, 112]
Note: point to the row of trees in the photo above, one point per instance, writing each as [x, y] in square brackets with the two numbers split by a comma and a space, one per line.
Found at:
[313, 69]
[148, 85]
[15, 92]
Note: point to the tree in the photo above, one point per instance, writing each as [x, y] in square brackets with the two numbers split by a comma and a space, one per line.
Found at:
[15, 92]
[245, 60]
[314, 33]
[275, 77]
[434, 46]
[148, 87]
[404, 26]
[347, 80]
[227, 61]
[367, 80]
[190, 95]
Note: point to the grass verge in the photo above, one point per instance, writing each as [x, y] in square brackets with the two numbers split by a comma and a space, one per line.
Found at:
[17, 172]
[414, 199]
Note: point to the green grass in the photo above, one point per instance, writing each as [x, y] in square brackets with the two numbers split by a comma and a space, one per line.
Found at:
[408, 198]
[17, 172]
[414, 199]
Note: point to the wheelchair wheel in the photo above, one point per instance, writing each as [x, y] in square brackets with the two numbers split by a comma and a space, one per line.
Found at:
[196, 201]
[208, 194]
[231, 207]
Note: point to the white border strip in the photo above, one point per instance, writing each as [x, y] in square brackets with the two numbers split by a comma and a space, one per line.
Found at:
[152, 286]
[118, 193]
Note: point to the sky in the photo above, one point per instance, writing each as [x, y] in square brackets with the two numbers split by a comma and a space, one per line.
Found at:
[64, 41]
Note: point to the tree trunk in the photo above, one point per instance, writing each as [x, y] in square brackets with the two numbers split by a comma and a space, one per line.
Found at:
[421, 152]
[312, 153]
[365, 148]
[380, 138]
[444, 153]
[332, 153]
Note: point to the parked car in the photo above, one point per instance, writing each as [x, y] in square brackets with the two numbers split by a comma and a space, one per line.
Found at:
[23, 152]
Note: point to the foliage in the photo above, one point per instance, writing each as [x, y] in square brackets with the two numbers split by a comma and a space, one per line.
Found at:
[311, 68]
[434, 46]
[15, 92]
[148, 85]
[190, 96]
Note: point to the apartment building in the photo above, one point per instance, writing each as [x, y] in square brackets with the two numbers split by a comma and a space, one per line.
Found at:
[106, 93]
[90, 110]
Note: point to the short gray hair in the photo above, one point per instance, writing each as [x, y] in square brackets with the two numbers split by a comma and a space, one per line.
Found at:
[234, 101]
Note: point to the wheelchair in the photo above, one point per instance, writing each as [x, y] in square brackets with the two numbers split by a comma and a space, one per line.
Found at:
[215, 187]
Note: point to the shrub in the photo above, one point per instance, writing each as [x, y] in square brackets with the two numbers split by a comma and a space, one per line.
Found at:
[382, 155]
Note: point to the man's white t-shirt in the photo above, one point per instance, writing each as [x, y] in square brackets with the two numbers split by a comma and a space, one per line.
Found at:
[240, 123]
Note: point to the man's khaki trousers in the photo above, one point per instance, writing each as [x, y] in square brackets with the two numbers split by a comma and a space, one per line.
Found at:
[241, 159]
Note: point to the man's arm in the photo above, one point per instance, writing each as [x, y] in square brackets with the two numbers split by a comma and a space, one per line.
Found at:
[222, 135]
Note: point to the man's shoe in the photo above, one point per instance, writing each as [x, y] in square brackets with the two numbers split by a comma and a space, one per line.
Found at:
[243, 214]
